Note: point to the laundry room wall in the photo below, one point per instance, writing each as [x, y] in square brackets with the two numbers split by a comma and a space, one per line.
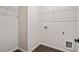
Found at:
[77, 44]
[23, 28]
[78, 22]
[33, 27]
[8, 28]
[58, 26]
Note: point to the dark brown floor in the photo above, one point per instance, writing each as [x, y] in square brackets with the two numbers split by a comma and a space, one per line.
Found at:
[43, 48]
[17, 50]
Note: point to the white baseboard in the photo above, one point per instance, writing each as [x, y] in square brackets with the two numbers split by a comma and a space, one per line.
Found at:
[41, 43]
[34, 47]
[16, 49]
[13, 49]
[48, 46]
[55, 47]
[22, 49]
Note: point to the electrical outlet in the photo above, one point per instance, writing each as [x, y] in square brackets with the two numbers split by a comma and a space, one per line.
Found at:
[45, 27]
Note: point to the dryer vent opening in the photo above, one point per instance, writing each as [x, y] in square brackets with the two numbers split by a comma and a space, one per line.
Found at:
[68, 44]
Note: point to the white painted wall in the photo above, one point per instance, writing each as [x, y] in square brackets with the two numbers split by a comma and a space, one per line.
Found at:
[58, 20]
[8, 33]
[33, 27]
[8, 28]
[77, 44]
[53, 35]
[23, 28]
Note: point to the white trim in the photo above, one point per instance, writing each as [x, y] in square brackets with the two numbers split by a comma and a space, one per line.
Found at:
[22, 49]
[34, 47]
[55, 47]
[41, 43]
[17, 48]
[13, 49]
